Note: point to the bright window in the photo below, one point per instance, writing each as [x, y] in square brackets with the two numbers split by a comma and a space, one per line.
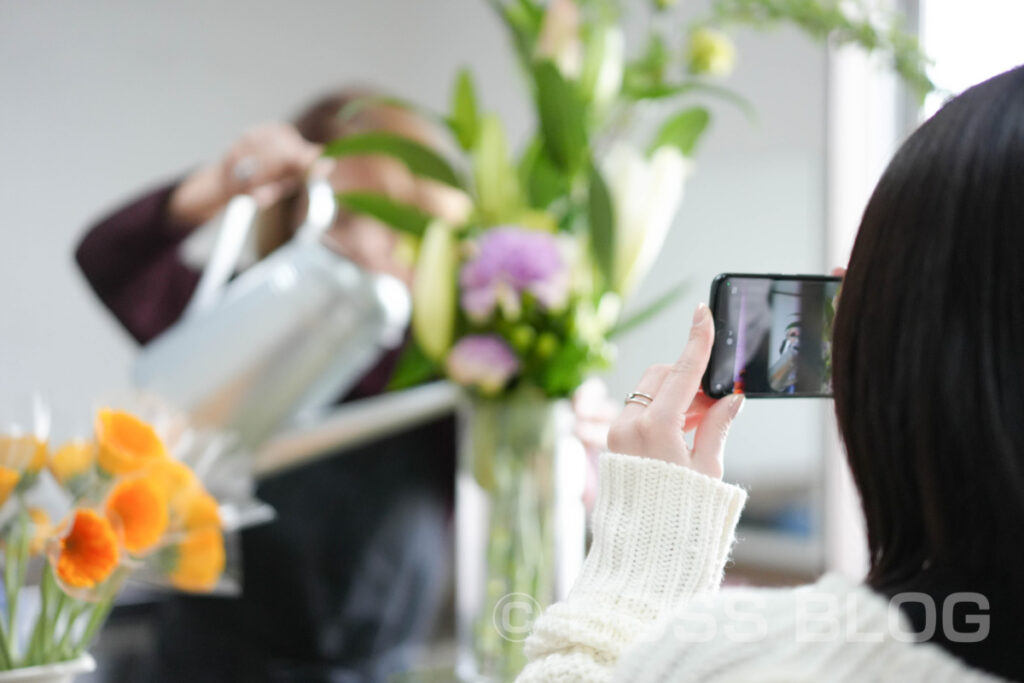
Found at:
[970, 42]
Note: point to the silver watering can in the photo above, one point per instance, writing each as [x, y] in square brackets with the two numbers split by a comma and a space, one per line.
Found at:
[281, 341]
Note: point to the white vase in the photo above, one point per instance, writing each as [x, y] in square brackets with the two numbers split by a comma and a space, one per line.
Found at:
[61, 672]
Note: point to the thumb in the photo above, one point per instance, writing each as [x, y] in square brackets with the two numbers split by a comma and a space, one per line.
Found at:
[709, 442]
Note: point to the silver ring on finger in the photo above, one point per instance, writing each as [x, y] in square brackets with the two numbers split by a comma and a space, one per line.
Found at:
[245, 169]
[639, 398]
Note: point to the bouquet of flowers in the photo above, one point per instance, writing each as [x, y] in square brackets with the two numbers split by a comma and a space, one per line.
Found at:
[79, 518]
[528, 290]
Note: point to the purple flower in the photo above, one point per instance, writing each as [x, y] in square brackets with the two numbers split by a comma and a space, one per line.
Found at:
[483, 361]
[510, 261]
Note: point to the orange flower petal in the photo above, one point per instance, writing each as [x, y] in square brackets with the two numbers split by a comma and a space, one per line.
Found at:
[138, 510]
[198, 560]
[88, 554]
[8, 481]
[197, 510]
[126, 443]
[173, 477]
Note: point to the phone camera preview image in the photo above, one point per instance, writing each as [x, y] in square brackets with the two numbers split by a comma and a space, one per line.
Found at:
[773, 336]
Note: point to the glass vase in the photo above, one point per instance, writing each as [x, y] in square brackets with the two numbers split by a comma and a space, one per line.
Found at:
[520, 525]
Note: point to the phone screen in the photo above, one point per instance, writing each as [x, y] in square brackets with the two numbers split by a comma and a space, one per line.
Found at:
[773, 335]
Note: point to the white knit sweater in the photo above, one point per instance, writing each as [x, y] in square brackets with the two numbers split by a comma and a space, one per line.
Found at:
[646, 606]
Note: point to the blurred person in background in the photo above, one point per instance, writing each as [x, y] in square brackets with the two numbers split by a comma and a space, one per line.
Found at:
[349, 577]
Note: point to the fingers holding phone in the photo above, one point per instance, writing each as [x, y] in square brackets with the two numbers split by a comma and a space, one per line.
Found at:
[668, 402]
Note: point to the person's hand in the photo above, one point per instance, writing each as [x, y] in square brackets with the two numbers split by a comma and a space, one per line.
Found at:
[267, 162]
[594, 412]
[657, 429]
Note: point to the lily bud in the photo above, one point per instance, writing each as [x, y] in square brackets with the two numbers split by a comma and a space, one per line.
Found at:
[433, 292]
[559, 38]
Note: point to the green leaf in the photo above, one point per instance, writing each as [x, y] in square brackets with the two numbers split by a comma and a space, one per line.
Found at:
[413, 368]
[639, 89]
[420, 159]
[683, 130]
[649, 311]
[562, 116]
[403, 217]
[602, 227]
[465, 115]
[497, 185]
[543, 181]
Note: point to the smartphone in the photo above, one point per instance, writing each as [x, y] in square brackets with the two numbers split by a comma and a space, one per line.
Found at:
[773, 335]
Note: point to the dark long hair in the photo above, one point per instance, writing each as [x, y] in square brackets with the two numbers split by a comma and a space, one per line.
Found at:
[929, 363]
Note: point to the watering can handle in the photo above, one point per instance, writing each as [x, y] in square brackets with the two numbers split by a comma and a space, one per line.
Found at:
[235, 223]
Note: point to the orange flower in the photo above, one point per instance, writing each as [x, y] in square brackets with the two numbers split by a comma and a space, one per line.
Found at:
[41, 530]
[8, 481]
[88, 554]
[197, 510]
[126, 443]
[71, 461]
[171, 476]
[198, 560]
[138, 510]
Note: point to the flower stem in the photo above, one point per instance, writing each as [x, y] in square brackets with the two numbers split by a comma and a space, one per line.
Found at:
[6, 658]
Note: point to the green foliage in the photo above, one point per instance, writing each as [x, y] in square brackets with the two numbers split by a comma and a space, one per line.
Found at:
[543, 181]
[420, 159]
[833, 20]
[683, 131]
[413, 368]
[602, 227]
[402, 217]
[465, 115]
[562, 116]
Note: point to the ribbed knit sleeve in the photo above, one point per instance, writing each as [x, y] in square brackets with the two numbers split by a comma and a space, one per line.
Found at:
[662, 535]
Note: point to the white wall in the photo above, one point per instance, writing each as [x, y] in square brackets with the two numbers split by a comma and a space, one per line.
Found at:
[104, 97]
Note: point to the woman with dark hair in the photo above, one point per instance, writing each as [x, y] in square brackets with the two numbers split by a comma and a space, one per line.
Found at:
[929, 393]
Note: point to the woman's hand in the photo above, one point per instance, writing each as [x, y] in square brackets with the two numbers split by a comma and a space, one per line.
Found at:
[267, 162]
[657, 430]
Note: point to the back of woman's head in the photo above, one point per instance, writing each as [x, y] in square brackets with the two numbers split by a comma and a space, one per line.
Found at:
[929, 347]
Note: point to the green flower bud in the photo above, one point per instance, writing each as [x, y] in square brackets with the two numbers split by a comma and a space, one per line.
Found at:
[710, 52]
[547, 345]
[522, 337]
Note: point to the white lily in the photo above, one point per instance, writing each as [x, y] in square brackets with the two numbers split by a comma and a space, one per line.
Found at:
[559, 38]
[609, 74]
[433, 291]
[646, 194]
